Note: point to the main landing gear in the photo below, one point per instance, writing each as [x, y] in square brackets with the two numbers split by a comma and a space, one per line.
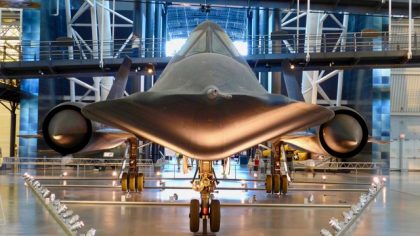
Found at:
[208, 209]
[278, 181]
[132, 180]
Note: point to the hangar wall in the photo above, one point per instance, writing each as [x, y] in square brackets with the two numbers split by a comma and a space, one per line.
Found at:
[405, 118]
[5, 129]
[29, 104]
[405, 107]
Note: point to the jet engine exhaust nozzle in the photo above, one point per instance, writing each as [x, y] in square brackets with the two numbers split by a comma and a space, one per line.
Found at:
[65, 129]
[345, 135]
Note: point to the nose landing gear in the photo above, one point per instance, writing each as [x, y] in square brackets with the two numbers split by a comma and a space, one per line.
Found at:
[209, 209]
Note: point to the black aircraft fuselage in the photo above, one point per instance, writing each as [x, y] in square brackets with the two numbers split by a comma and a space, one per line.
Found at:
[207, 104]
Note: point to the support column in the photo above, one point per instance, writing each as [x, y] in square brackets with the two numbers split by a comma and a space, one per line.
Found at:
[105, 39]
[276, 76]
[263, 33]
[137, 29]
[313, 35]
[342, 49]
[69, 28]
[97, 86]
[157, 48]
[138, 14]
[70, 48]
[158, 31]
[150, 25]
[249, 32]
[155, 154]
[94, 27]
[255, 31]
[164, 29]
[13, 107]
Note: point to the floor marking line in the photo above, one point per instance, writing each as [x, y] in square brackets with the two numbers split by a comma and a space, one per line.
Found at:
[309, 205]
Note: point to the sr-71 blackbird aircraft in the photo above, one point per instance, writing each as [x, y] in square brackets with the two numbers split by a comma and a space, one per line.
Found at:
[207, 105]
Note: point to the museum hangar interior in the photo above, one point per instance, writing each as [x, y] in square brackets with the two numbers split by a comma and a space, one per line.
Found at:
[209, 117]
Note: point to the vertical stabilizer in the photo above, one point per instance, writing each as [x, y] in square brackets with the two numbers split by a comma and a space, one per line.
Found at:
[118, 87]
[292, 86]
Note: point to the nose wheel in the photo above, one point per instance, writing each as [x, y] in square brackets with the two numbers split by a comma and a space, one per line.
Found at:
[196, 213]
[206, 209]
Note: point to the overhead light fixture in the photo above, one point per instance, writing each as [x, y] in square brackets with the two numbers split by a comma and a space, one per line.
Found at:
[292, 67]
[376, 180]
[205, 8]
[150, 69]
[9, 20]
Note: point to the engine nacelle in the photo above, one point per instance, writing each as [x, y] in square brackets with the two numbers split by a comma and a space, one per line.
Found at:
[345, 135]
[65, 129]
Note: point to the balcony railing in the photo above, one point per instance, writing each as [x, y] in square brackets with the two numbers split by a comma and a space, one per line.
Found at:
[285, 44]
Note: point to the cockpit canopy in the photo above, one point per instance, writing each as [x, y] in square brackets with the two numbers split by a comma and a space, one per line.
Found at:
[208, 38]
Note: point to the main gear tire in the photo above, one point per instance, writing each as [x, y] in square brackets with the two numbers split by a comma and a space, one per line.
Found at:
[124, 182]
[194, 215]
[215, 216]
[276, 178]
[132, 182]
[284, 184]
[140, 182]
[268, 183]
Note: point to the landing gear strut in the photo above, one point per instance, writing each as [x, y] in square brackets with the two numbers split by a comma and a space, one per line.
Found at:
[278, 181]
[208, 209]
[132, 180]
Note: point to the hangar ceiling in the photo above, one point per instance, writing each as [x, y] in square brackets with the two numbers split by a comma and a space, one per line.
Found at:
[182, 20]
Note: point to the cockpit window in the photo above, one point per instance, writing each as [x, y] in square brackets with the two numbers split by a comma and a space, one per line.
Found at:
[227, 43]
[192, 39]
[218, 46]
[200, 45]
[219, 41]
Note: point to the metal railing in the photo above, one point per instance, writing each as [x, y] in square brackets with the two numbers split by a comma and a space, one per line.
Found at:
[286, 44]
[39, 162]
[148, 167]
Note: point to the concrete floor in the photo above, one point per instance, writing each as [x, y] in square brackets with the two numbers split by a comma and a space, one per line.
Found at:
[393, 212]
[396, 210]
[20, 211]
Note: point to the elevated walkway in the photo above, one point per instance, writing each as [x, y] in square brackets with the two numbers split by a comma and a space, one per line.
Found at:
[360, 50]
[399, 7]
